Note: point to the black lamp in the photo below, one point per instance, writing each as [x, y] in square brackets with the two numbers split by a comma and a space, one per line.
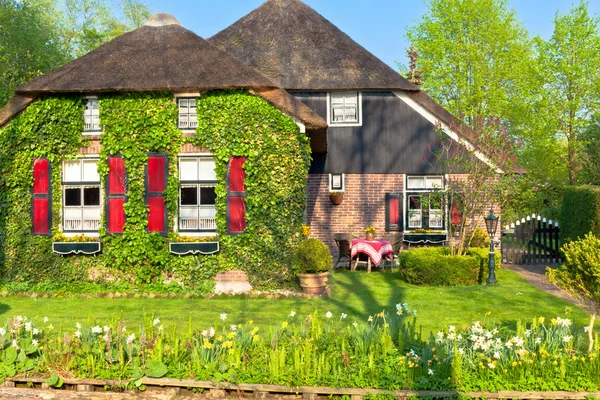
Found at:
[491, 225]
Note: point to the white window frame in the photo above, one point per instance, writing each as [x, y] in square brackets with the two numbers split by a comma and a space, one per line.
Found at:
[342, 177]
[358, 111]
[90, 115]
[186, 96]
[81, 185]
[198, 184]
[428, 187]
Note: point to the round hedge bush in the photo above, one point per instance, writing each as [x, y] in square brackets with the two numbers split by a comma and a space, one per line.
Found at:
[312, 257]
[434, 266]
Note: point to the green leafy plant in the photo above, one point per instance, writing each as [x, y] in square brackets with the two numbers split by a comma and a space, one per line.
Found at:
[312, 257]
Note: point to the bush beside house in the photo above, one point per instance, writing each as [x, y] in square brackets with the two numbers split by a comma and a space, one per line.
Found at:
[436, 266]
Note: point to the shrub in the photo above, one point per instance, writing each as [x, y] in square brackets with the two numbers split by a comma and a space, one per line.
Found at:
[580, 212]
[312, 256]
[436, 267]
[480, 239]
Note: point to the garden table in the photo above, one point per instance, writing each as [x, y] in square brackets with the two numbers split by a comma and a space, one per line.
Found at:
[374, 249]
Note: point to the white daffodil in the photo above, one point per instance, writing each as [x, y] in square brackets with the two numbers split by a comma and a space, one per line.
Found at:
[97, 329]
[78, 325]
[156, 321]
[429, 371]
[232, 327]
[293, 314]
[130, 338]
[329, 314]
[223, 317]
[45, 320]
[34, 342]
[78, 334]
[36, 331]
[344, 315]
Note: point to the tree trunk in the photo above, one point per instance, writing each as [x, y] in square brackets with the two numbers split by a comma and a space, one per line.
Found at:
[590, 331]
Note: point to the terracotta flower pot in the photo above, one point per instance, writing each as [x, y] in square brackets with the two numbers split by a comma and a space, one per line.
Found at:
[313, 283]
[336, 199]
[370, 236]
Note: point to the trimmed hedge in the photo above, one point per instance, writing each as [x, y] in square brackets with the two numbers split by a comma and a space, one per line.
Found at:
[435, 266]
[580, 212]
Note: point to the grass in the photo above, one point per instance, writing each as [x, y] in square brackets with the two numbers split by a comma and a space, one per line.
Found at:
[357, 294]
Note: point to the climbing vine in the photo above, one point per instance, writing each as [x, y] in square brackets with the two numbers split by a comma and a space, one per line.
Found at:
[230, 123]
[236, 123]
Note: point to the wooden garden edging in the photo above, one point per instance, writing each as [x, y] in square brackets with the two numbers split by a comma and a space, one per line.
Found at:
[181, 387]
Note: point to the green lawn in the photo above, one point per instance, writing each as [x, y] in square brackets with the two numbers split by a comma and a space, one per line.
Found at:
[357, 294]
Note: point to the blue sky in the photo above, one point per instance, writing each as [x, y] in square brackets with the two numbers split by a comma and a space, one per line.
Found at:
[377, 25]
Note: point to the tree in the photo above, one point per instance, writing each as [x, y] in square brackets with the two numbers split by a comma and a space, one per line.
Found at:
[569, 66]
[476, 59]
[590, 152]
[414, 72]
[30, 43]
[580, 275]
[480, 172]
[40, 35]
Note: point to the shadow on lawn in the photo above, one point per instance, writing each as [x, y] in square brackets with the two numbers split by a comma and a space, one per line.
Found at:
[4, 308]
[355, 283]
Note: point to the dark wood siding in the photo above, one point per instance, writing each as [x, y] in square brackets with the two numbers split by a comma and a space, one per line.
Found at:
[393, 138]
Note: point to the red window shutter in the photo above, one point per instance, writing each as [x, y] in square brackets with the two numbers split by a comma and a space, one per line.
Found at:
[156, 184]
[236, 196]
[115, 194]
[41, 197]
[393, 211]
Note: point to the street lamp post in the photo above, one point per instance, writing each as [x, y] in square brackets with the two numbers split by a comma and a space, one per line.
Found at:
[491, 224]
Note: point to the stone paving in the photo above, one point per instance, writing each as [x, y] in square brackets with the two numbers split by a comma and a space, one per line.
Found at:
[536, 275]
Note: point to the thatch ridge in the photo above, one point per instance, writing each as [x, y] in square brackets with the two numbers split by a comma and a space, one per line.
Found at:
[14, 106]
[297, 48]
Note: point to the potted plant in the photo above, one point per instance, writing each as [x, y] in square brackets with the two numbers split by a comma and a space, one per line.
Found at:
[311, 264]
[370, 233]
[336, 197]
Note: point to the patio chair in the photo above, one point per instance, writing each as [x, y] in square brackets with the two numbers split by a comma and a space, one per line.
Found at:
[343, 241]
[396, 241]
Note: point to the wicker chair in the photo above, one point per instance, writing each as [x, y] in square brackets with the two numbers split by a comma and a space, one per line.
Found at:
[396, 240]
[343, 241]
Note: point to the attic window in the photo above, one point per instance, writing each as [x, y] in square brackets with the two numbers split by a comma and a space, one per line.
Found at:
[188, 119]
[344, 108]
[91, 116]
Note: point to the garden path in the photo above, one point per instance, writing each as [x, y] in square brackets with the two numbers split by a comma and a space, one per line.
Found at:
[536, 275]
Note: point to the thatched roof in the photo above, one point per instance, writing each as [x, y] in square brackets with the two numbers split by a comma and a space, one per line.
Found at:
[291, 44]
[161, 55]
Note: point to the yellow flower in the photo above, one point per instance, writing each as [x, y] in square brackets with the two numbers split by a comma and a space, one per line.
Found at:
[555, 363]
[380, 315]
[399, 312]
[433, 349]
[255, 338]
[255, 330]
[207, 344]
[514, 363]
[386, 326]
[231, 335]
[541, 320]
[239, 325]
[553, 321]
[284, 324]
[227, 344]
[220, 338]
[250, 322]
[231, 351]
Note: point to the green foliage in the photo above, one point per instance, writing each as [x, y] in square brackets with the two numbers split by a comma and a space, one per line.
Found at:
[580, 272]
[384, 351]
[580, 212]
[480, 238]
[312, 257]
[236, 123]
[436, 266]
[51, 127]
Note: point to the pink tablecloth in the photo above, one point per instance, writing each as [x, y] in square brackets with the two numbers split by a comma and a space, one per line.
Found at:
[375, 249]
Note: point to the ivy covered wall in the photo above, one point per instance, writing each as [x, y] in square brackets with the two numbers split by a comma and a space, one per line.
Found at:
[232, 123]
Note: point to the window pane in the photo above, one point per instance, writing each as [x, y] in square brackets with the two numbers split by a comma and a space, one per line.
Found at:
[435, 182]
[91, 196]
[207, 169]
[72, 171]
[188, 169]
[183, 106]
[414, 202]
[416, 182]
[90, 171]
[207, 195]
[189, 196]
[192, 106]
[72, 197]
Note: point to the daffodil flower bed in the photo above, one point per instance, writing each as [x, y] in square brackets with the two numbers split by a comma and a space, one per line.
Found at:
[382, 351]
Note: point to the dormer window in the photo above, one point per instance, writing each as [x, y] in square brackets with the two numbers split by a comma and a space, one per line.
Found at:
[188, 119]
[345, 109]
[91, 116]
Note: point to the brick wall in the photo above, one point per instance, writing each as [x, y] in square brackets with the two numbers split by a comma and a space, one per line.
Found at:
[363, 205]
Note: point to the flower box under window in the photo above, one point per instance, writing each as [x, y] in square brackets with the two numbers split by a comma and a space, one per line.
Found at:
[425, 237]
[66, 248]
[184, 248]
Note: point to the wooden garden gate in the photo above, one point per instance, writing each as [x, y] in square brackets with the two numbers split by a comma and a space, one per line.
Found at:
[531, 240]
